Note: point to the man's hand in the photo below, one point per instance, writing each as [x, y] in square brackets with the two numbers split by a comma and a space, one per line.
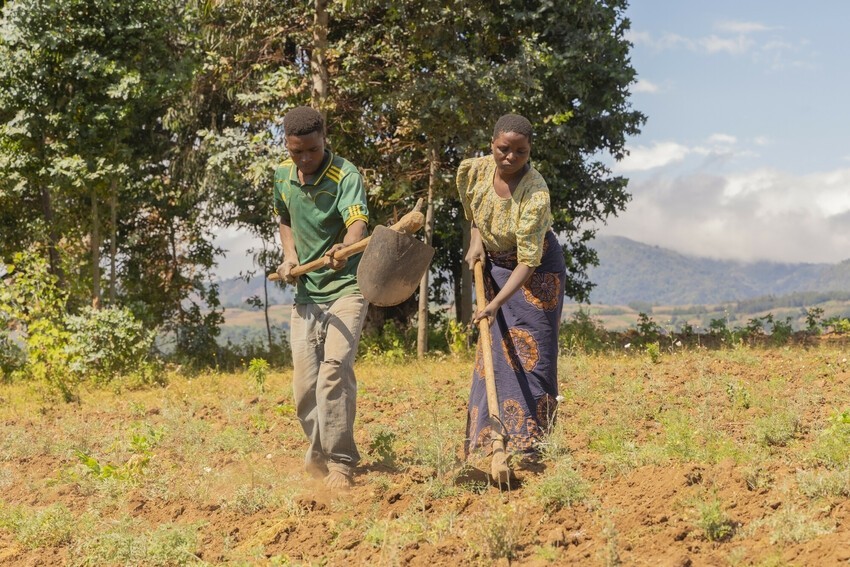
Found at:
[331, 261]
[285, 272]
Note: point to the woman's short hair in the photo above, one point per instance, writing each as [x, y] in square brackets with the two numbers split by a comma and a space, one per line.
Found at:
[513, 123]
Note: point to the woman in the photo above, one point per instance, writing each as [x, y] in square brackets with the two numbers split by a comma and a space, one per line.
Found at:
[507, 201]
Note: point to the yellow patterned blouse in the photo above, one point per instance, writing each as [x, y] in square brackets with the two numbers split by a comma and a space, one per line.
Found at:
[520, 221]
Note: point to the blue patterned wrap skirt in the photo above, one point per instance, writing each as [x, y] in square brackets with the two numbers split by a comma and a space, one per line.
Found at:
[525, 353]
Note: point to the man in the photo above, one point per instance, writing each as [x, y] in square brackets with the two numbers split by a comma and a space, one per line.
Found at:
[320, 201]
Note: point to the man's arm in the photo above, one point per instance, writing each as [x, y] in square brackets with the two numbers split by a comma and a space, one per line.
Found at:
[290, 256]
[355, 232]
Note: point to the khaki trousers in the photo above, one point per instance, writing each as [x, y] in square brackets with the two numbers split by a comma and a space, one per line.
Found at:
[324, 339]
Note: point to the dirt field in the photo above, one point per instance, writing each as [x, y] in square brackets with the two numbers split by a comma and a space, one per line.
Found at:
[733, 457]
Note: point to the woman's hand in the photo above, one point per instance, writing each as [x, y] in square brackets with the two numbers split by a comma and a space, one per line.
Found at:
[488, 313]
[476, 249]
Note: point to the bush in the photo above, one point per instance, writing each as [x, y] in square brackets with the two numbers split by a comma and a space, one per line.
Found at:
[107, 343]
[583, 333]
[12, 355]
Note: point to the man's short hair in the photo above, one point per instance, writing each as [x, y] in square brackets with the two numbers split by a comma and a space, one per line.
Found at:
[513, 123]
[303, 120]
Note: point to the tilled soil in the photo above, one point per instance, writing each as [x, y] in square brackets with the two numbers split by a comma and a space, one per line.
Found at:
[219, 459]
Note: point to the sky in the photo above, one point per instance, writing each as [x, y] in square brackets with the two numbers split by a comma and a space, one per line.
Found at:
[744, 154]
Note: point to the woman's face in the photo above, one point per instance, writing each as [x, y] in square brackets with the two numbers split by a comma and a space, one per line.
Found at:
[511, 152]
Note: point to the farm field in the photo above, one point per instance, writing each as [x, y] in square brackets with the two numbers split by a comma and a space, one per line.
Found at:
[694, 457]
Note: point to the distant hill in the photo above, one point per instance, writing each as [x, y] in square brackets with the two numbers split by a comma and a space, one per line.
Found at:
[630, 271]
[235, 291]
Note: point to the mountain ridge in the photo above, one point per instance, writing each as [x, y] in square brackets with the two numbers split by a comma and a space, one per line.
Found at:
[631, 271]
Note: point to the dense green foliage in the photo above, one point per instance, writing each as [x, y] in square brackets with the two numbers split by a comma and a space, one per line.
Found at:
[131, 132]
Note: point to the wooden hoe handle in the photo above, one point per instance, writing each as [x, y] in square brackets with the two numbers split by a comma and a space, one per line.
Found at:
[408, 224]
[499, 467]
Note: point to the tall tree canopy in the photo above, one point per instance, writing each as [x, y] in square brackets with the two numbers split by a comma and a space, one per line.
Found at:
[133, 130]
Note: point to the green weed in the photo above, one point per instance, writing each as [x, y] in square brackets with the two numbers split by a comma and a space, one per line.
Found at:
[777, 429]
[832, 447]
[817, 484]
[127, 543]
[258, 369]
[792, 525]
[561, 488]
[713, 521]
[50, 527]
[653, 350]
[497, 534]
[382, 448]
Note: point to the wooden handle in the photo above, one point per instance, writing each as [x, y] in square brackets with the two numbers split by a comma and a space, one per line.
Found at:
[408, 224]
[487, 353]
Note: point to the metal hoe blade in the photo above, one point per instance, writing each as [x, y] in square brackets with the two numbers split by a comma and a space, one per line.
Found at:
[392, 266]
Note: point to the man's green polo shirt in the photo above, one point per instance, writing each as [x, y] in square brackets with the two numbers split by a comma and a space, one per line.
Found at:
[319, 214]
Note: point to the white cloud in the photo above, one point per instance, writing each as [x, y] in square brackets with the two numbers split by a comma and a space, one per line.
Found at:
[732, 45]
[642, 158]
[741, 27]
[644, 86]
[722, 139]
[762, 214]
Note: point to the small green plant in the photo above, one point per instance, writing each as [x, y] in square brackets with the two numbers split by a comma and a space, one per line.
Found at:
[832, 446]
[713, 521]
[389, 345]
[780, 331]
[653, 350]
[382, 448]
[757, 478]
[561, 488]
[839, 325]
[458, 336]
[819, 484]
[50, 527]
[738, 395]
[777, 429]
[611, 553]
[813, 320]
[258, 369]
[648, 330]
[249, 499]
[581, 333]
[129, 470]
[127, 543]
[790, 524]
[498, 532]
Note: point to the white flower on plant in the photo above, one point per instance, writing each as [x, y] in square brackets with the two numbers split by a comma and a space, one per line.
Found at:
[628, 346]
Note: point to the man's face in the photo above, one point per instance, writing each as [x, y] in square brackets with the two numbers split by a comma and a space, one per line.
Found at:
[307, 151]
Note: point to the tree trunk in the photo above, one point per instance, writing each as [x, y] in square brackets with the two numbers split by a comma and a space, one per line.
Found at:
[422, 335]
[266, 300]
[464, 302]
[318, 63]
[52, 236]
[113, 237]
[95, 252]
